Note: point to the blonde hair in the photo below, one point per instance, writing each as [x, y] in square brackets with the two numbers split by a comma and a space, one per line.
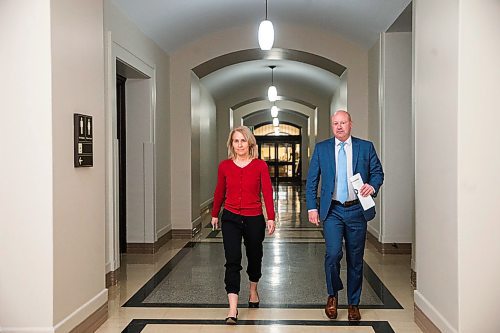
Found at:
[248, 135]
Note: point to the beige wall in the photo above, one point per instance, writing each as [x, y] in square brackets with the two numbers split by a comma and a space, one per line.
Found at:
[78, 87]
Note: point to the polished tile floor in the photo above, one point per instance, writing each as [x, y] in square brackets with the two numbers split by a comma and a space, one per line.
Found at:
[152, 296]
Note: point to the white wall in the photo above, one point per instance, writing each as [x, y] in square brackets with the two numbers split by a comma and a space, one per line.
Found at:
[339, 99]
[396, 153]
[436, 119]
[374, 121]
[195, 147]
[478, 161]
[204, 161]
[456, 109]
[26, 197]
[390, 114]
[208, 146]
[138, 123]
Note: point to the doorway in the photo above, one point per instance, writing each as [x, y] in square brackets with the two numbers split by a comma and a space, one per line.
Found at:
[121, 136]
[282, 154]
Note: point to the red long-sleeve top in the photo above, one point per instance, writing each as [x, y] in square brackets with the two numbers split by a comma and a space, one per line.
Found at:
[241, 188]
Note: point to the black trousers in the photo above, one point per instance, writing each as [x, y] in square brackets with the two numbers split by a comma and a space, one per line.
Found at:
[252, 230]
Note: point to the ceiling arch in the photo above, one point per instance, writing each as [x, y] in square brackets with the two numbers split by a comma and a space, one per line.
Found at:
[241, 56]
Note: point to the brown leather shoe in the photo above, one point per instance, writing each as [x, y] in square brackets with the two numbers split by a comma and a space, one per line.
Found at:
[331, 307]
[353, 313]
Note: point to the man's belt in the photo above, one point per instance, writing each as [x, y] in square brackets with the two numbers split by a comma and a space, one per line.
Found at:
[347, 203]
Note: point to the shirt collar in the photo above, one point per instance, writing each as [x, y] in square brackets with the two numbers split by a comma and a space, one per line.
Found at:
[348, 142]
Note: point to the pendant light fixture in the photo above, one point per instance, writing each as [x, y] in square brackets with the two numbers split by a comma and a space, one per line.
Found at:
[272, 92]
[277, 131]
[276, 122]
[274, 111]
[266, 34]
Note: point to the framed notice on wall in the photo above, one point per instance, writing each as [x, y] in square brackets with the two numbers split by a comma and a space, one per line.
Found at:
[83, 150]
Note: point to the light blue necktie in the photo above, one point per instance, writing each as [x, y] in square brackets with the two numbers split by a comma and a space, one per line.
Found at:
[342, 191]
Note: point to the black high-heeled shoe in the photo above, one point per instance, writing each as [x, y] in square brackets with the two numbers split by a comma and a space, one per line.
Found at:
[253, 305]
[232, 320]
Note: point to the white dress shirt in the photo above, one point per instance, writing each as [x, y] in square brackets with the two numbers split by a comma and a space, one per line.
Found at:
[348, 152]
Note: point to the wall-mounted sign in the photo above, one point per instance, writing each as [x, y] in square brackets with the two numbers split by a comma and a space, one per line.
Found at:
[83, 151]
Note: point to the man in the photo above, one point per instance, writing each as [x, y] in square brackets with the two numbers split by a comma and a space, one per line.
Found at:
[336, 160]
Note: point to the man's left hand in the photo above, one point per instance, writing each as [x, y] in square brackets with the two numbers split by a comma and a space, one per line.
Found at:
[366, 190]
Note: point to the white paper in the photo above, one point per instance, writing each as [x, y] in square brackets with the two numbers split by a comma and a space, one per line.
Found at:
[357, 183]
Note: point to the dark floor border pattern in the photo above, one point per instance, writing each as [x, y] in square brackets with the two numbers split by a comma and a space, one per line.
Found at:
[137, 325]
[215, 233]
[137, 300]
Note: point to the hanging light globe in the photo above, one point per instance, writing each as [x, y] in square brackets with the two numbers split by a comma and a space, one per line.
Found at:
[276, 131]
[276, 122]
[274, 111]
[272, 94]
[266, 35]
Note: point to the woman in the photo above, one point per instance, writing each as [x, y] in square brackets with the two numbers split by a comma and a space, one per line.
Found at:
[241, 178]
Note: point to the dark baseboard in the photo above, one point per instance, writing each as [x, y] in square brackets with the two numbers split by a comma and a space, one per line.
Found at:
[389, 248]
[163, 240]
[112, 278]
[93, 322]
[149, 248]
[182, 233]
[423, 322]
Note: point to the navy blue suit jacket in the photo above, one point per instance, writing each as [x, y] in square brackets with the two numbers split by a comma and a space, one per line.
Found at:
[364, 161]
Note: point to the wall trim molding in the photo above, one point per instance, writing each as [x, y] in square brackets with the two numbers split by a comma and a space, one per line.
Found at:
[429, 314]
[90, 315]
[112, 277]
[182, 233]
[94, 321]
[389, 248]
[149, 248]
[423, 322]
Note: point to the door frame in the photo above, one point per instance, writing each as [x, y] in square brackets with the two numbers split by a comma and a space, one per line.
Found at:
[276, 140]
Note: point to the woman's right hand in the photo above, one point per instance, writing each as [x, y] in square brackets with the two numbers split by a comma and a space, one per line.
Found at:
[215, 222]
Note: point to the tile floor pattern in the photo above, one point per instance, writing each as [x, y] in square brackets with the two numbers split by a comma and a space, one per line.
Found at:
[136, 270]
[185, 281]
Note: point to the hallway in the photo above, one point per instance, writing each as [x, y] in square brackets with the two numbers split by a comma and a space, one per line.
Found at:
[181, 287]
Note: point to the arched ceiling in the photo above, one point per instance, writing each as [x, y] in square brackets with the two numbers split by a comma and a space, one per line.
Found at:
[233, 79]
[173, 23]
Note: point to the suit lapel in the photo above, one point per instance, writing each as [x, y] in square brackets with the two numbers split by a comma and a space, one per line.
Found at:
[331, 155]
[355, 152]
